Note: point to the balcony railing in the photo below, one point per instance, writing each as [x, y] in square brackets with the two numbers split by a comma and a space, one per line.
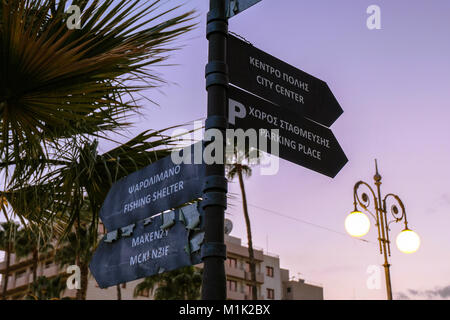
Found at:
[234, 272]
[248, 296]
[259, 277]
[235, 295]
[243, 251]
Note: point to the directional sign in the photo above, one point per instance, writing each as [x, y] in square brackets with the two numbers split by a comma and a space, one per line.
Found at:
[300, 140]
[158, 187]
[235, 7]
[158, 244]
[272, 79]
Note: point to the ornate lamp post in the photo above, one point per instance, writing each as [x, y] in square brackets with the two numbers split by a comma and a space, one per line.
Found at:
[357, 223]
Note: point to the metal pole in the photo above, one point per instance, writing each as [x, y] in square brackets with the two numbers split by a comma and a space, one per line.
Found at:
[386, 264]
[382, 236]
[387, 274]
[215, 187]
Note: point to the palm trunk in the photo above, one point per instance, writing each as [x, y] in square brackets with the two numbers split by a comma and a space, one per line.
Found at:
[77, 262]
[6, 275]
[119, 292]
[35, 264]
[249, 236]
[84, 270]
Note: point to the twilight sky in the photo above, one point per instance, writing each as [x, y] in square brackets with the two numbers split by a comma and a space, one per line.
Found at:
[393, 85]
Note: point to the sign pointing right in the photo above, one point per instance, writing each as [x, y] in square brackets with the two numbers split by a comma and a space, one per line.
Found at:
[300, 140]
[284, 85]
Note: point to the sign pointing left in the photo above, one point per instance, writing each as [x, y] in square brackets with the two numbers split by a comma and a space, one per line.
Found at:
[154, 245]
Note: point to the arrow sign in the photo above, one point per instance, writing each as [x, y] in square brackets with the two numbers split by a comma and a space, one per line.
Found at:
[151, 246]
[235, 7]
[272, 79]
[300, 140]
[160, 186]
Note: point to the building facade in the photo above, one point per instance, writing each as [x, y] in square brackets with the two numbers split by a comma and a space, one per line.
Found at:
[272, 281]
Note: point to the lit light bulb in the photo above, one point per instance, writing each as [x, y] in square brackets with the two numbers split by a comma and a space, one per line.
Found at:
[408, 241]
[357, 224]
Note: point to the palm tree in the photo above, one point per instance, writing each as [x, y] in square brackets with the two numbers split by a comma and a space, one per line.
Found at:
[8, 232]
[72, 86]
[76, 189]
[70, 196]
[240, 169]
[61, 89]
[181, 284]
[46, 289]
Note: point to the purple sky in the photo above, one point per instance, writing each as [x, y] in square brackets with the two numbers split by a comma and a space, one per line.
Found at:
[393, 85]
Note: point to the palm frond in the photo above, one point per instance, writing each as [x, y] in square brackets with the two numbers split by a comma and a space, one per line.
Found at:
[56, 83]
[74, 189]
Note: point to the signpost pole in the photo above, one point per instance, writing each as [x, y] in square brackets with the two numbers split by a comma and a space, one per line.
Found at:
[215, 185]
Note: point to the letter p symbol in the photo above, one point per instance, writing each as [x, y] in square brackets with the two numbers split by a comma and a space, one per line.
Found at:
[235, 110]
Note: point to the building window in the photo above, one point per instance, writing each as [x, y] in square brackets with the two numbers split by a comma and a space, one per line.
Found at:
[232, 285]
[145, 293]
[232, 262]
[269, 272]
[248, 289]
[48, 264]
[124, 285]
[289, 290]
[247, 267]
[270, 294]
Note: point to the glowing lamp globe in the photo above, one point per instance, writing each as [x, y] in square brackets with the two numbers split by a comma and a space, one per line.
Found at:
[408, 241]
[357, 224]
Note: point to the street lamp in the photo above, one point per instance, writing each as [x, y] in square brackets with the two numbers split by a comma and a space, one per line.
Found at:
[357, 223]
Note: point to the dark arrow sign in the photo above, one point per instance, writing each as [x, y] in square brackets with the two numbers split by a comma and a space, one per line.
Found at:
[300, 140]
[154, 245]
[270, 78]
[160, 186]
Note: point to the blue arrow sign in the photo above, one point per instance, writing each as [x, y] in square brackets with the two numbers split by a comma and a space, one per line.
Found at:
[160, 186]
[154, 245]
